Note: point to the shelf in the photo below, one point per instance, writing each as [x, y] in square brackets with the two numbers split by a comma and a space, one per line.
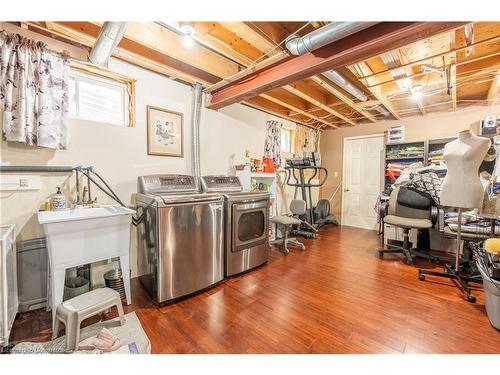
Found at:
[405, 158]
[263, 175]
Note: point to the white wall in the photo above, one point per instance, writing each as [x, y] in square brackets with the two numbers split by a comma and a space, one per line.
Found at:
[120, 154]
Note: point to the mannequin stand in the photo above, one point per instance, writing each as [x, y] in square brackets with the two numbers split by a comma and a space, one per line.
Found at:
[460, 280]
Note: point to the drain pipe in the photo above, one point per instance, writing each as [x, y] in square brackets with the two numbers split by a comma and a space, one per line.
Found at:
[195, 130]
[325, 35]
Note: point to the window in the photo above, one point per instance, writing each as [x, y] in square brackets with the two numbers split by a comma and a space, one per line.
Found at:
[101, 97]
[286, 140]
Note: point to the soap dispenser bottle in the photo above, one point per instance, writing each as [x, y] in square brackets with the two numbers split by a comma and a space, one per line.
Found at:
[58, 201]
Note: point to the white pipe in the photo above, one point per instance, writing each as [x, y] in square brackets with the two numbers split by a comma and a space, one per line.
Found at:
[110, 35]
[325, 35]
[469, 38]
[195, 129]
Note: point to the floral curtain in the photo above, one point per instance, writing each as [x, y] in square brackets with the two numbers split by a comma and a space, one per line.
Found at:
[34, 92]
[272, 146]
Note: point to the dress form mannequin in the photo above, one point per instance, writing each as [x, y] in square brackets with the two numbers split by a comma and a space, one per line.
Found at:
[462, 187]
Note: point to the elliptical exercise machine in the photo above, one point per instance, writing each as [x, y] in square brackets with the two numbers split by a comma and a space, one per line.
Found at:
[319, 215]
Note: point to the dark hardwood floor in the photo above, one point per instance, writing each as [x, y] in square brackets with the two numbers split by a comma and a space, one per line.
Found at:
[337, 296]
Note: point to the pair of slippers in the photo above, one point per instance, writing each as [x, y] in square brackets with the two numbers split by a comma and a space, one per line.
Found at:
[104, 342]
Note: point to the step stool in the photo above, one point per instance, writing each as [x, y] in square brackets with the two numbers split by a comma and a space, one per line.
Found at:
[73, 311]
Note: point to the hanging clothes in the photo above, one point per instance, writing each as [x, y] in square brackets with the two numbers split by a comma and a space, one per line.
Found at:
[34, 92]
[272, 145]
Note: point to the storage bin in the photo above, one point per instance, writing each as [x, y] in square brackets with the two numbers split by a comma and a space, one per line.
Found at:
[32, 274]
[75, 286]
[491, 296]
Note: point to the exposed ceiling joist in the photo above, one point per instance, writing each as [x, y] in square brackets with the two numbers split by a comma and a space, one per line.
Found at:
[369, 42]
[300, 89]
[453, 72]
[85, 34]
[344, 98]
[275, 109]
[494, 90]
[285, 101]
[363, 69]
[316, 98]
[167, 42]
[441, 54]
[247, 33]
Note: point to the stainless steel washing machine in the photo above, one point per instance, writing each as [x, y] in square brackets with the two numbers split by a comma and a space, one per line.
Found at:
[246, 223]
[181, 237]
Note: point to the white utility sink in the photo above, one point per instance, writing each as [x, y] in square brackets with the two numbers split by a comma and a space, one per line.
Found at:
[48, 217]
[80, 236]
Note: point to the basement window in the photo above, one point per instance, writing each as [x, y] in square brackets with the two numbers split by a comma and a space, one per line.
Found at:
[286, 140]
[101, 96]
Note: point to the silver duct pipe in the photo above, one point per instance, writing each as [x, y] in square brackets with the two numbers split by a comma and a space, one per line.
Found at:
[110, 35]
[339, 80]
[195, 130]
[342, 82]
[327, 34]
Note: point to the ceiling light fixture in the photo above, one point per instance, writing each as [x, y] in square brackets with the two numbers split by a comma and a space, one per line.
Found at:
[187, 29]
[417, 91]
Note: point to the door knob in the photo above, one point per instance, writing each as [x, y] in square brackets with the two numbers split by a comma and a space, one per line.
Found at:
[346, 190]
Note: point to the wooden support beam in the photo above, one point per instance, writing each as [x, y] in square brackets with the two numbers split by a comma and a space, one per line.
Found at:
[494, 90]
[161, 39]
[446, 53]
[453, 83]
[300, 89]
[316, 98]
[86, 33]
[344, 98]
[275, 109]
[453, 71]
[277, 96]
[362, 45]
[402, 59]
[247, 33]
[362, 70]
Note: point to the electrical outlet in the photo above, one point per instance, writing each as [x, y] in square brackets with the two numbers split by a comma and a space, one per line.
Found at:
[10, 182]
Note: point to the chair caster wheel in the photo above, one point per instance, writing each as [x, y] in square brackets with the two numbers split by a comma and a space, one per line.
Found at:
[408, 261]
[421, 277]
[380, 254]
[471, 298]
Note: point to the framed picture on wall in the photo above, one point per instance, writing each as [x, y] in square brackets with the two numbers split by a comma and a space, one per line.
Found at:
[165, 132]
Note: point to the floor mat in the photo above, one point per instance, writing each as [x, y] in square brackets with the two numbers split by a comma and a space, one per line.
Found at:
[133, 338]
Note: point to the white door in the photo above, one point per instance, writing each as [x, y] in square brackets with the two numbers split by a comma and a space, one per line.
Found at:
[362, 180]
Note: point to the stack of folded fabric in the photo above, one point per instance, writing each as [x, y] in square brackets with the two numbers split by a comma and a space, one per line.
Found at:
[471, 223]
[436, 156]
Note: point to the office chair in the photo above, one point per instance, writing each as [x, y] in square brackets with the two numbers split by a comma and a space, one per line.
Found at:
[407, 218]
[297, 208]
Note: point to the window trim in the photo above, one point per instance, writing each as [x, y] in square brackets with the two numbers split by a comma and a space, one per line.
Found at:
[291, 139]
[101, 73]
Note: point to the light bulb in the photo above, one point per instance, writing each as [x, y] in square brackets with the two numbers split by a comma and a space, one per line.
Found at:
[187, 41]
[417, 91]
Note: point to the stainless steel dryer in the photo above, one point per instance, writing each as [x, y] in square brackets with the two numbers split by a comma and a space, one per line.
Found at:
[246, 223]
[180, 241]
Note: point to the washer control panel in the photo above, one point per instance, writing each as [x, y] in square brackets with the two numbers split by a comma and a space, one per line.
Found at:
[212, 184]
[167, 184]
